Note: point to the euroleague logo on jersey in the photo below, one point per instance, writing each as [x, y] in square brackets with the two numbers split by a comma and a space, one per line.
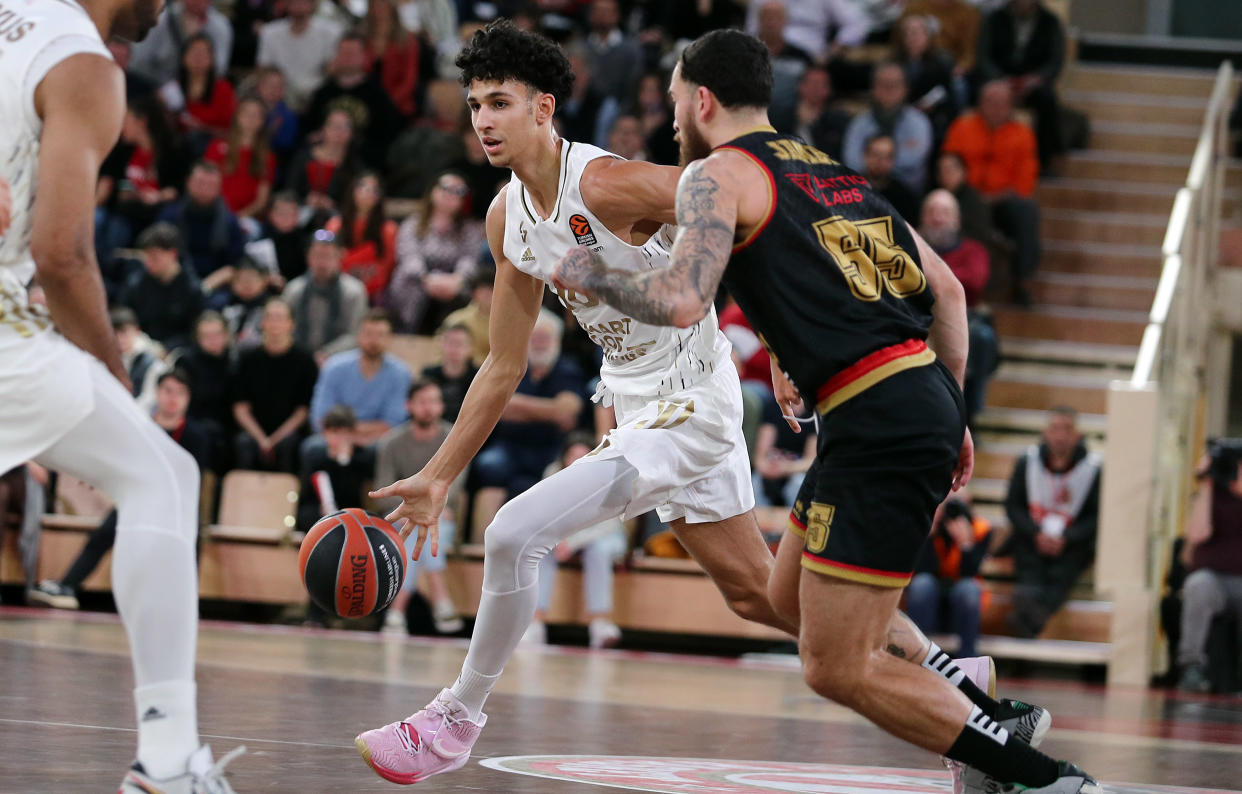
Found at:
[581, 227]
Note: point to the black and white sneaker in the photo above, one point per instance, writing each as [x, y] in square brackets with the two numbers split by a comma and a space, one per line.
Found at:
[1028, 722]
[51, 593]
[1071, 781]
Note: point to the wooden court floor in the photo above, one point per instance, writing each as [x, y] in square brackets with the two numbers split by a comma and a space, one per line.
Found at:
[644, 722]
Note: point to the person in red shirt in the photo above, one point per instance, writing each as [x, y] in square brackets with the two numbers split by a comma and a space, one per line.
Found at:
[1002, 163]
[369, 240]
[245, 160]
[393, 54]
[322, 171]
[205, 102]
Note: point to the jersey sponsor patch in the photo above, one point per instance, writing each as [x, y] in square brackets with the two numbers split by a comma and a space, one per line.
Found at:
[581, 228]
[528, 256]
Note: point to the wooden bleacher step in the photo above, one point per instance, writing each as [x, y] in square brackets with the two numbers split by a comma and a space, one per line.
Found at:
[1093, 291]
[1130, 228]
[1136, 136]
[1118, 359]
[1154, 80]
[1034, 421]
[1071, 324]
[1116, 259]
[1074, 193]
[1127, 106]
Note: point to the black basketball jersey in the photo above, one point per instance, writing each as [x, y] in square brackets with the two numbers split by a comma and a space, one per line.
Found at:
[831, 280]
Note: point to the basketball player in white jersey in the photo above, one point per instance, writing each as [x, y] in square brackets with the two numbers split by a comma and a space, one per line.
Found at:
[64, 397]
[677, 447]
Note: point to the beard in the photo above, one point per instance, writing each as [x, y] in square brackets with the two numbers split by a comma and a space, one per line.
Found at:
[941, 239]
[693, 146]
[136, 19]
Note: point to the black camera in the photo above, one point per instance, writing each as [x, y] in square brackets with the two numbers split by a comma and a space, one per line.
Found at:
[1224, 455]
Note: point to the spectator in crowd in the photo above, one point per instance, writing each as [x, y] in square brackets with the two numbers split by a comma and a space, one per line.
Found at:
[975, 213]
[280, 122]
[1002, 164]
[929, 72]
[956, 28]
[890, 115]
[680, 23]
[879, 162]
[810, 22]
[788, 60]
[208, 367]
[455, 372]
[1023, 43]
[433, 21]
[394, 54]
[814, 119]
[782, 457]
[579, 116]
[942, 229]
[616, 58]
[351, 87]
[156, 56]
[247, 295]
[602, 546]
[203, 101]
[1053, 506]
[1213, 553]
[172, 398]
[437, 252]
[122, 53]
[321, 173]
[402, 451]
[656, 117]
[531, 431]
[369, 238]
[327, 304]
[249, 17]
[281, 247]
[164, 296]
[301, 47]
[272, 388]
[483, 178]
[247, 166]
[945, 594]
[143, 358]
[625, 139]
[211, 238]
[140, 175]
[475, 315]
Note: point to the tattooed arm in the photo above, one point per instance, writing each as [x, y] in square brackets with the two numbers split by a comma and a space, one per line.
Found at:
[681, 294]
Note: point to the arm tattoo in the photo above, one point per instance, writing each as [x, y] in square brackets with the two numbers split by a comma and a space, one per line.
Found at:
[896, 650]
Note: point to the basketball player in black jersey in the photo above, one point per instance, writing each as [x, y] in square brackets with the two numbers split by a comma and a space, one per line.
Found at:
[862, 314]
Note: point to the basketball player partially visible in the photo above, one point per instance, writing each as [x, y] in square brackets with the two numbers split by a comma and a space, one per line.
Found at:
[63, 391]
[678, 446]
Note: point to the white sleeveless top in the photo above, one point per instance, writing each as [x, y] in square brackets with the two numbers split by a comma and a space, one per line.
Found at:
[35, 35]
[639, 359]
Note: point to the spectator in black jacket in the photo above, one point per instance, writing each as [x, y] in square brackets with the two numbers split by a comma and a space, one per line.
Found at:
[455, 371]
[351, 88]
[211, 237]
[1053, 507]
[208, 365]
[165, 297]
[945, 593]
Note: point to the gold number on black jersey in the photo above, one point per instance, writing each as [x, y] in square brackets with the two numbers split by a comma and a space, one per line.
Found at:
[871, 261]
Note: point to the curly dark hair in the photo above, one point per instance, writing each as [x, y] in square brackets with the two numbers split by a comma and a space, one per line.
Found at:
[502, 52]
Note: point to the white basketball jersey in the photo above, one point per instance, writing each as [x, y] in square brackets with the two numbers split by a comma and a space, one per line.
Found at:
[35, 35]
[639, 359]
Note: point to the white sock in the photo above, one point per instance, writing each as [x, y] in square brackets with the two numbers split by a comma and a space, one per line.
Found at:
[167, 727]
[472, 689]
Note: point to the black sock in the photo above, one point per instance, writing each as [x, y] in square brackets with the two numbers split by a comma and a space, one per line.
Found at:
[986, 746]
[941, 664]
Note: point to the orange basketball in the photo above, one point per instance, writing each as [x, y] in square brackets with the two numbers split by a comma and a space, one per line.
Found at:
[352, 563]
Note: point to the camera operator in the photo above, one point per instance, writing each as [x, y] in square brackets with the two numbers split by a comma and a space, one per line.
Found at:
[1213, 554]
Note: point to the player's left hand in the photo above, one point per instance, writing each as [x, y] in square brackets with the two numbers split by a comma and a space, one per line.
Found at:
[6, 206]
[572, 270]
[787, 397]
[965, 462]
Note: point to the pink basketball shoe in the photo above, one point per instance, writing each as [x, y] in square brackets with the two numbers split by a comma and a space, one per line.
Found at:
[434, 740]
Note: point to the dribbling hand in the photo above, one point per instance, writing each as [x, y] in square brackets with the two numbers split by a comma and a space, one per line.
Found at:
[422, 502]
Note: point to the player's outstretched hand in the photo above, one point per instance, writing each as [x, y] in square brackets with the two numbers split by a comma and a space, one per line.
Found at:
[6, 206]
[422, 501]
[965, 462]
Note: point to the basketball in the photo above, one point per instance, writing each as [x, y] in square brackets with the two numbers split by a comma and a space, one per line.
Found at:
[352, 563]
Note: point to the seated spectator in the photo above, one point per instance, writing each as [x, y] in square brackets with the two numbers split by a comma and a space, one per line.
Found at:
[172, 399]
[1053, 506]
[280, 122]
[584, 114]
[956, 29]
[272, 388]
[625, 139]
[394, 54]
[300, 46]
[369, 239]
[968, 259]
[142, 358]
[616, 58]
[164, 296]
[247, 166]
[404, 451]
[814, 120]
[945, 593]
[789, 61]
[532, 429]
[437, 252]
[135, 84]
[680, 23]
[247, 294]
[811, 21]
[879, 159]
[1001, 163]
[890, 115]
[602, 546]
[455, 372]
[211, 237]
[1023, 43]
[781, 456]
[976, 215]
[202, 100]
[156, 57]
[655, 115]
[281, 247]
[483, 178]
[208, 367]
[327, 305]
[322, 172]
[351, 87]
[929, 73]
[1213, 553]
[475, 315]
